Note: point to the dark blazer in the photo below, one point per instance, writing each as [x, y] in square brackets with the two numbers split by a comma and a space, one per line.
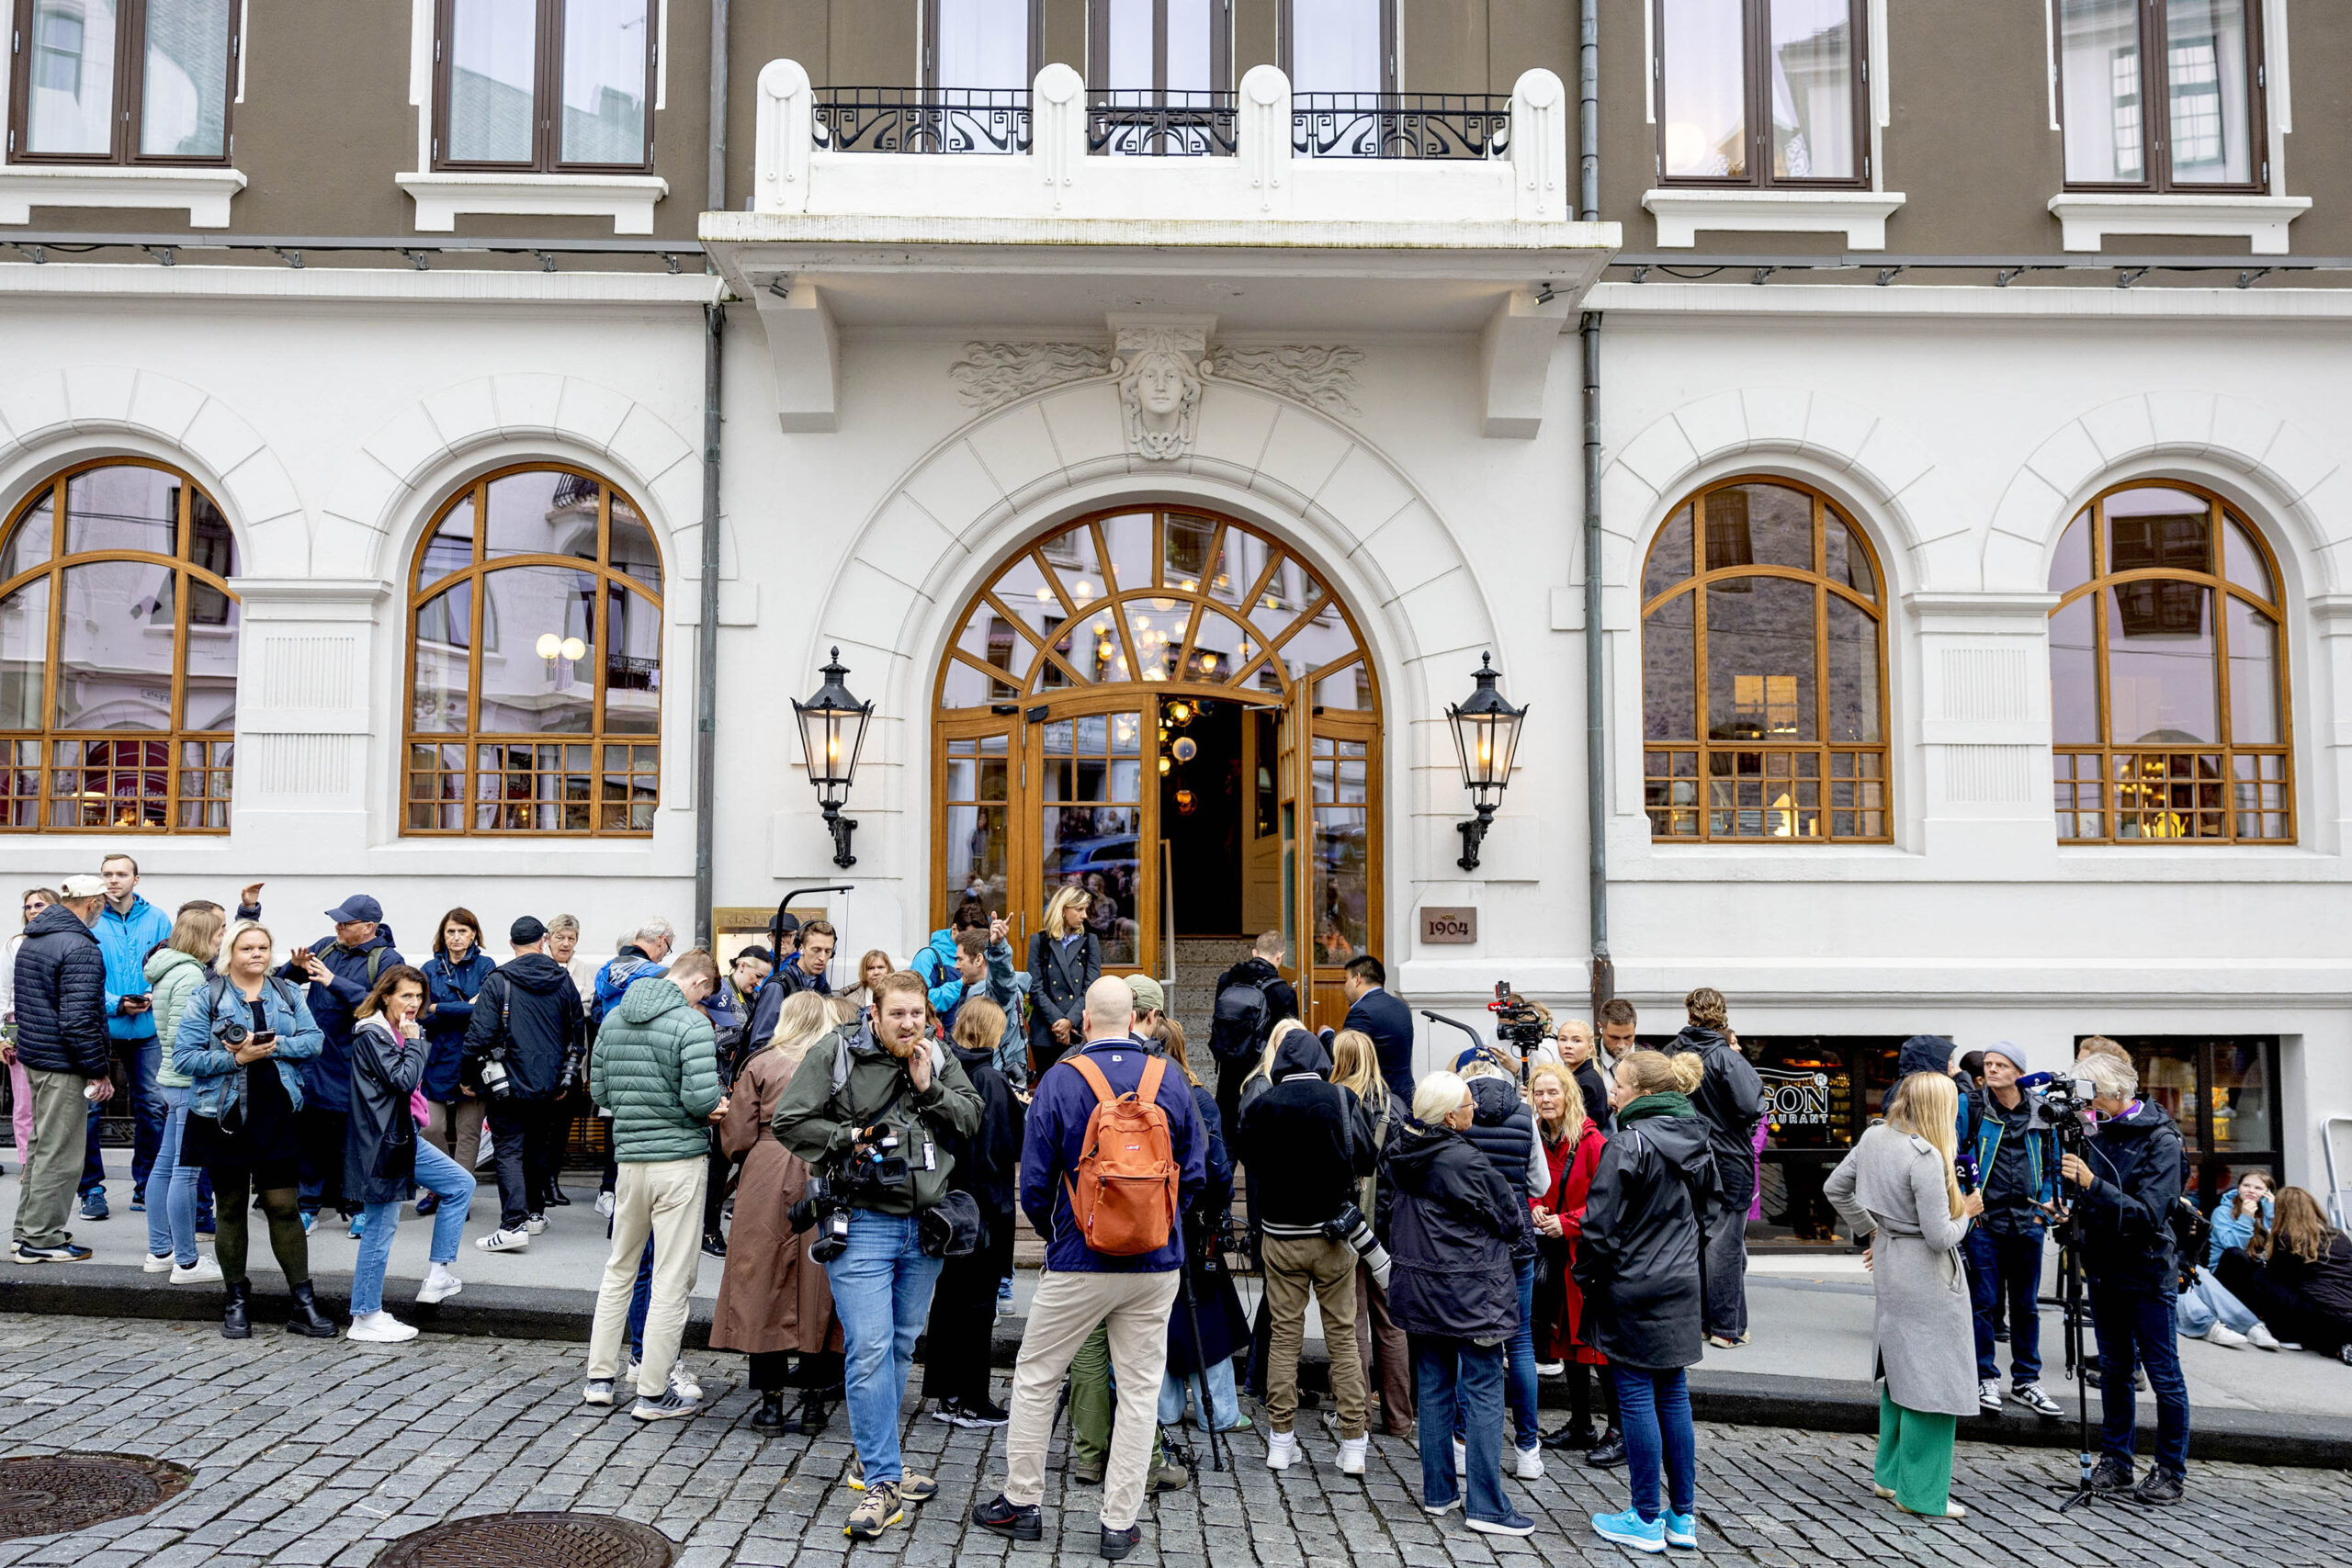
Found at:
[1390, 1023]
[1058, 976]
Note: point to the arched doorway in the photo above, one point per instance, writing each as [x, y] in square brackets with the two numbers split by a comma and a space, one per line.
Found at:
[1174, 710]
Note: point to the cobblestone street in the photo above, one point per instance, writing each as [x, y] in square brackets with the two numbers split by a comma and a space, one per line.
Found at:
[319, 1453]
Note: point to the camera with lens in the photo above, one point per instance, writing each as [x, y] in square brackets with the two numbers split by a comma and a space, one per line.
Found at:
[875, 1164]
[821, 1207]
[1516, 1021]
[495, 1082]
[230, 1033]
[1349, 1226]
[2060, 1105]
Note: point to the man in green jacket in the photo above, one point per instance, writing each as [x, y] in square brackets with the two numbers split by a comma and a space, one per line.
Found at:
[655, 1070]
[854, 1092]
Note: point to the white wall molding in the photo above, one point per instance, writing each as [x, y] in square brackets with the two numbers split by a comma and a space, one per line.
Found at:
[1682, 211]
[1929, 300]
[2087, 218]
[203, 194]
[442, 197]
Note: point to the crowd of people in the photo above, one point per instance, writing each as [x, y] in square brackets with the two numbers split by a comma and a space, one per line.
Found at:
[859, 1165]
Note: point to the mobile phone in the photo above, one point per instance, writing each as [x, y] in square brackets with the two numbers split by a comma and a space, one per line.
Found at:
[266, 1037]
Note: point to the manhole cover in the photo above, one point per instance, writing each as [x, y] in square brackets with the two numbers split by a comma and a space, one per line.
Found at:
[532, 1541]
[50, 1492]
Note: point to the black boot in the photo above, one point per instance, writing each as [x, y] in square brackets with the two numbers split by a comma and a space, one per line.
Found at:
[234, 1325]
[308, 1319]
[768, 1418]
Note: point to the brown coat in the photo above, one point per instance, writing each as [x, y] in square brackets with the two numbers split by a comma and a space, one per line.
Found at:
[771, 1297]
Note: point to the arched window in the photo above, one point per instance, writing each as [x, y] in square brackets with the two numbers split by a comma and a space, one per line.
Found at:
[534, 661]
[2168, 675]
[1763, 670]
[118, 654]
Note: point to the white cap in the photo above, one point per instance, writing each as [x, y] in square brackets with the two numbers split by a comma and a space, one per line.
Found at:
[84, 886]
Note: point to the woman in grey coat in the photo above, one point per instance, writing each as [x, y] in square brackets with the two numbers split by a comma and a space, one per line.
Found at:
[1899, 1183]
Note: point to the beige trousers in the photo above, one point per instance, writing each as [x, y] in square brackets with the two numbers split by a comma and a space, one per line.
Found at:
[663, 1197]
[457, 1131]
[1294, 1265]
[1066, 1310]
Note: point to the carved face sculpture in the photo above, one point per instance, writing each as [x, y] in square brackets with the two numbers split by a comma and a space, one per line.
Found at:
[1161, 388]
[1160, 385]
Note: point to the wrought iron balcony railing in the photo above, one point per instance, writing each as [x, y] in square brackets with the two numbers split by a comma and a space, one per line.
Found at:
[912, 120]
[1400, 125]
[1145, 124]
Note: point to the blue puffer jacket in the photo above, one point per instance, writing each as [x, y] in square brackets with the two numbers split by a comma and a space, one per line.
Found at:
[355, 970]
[1056, 1136]
[60, 997]
[219, 1084]
[126, 940]
[450, 990]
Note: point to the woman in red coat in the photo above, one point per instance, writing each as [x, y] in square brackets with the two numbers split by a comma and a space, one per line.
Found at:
[1572, 1144]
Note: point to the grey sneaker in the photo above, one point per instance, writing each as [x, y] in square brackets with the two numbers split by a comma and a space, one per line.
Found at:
[669, 1407]
[875, 1513]
[598, 1391]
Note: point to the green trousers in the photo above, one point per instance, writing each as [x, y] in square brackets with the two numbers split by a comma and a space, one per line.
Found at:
[1091, 1404]
[1915, 1456]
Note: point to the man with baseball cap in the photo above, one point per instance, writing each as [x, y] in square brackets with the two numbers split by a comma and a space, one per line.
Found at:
[341, 973]
[2017, 1168]
[525, 1026]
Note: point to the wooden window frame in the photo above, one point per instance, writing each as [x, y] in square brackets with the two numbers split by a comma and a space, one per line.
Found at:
[129, 73]
[2220, 512]
[218, 768]
[2156, 117]
[1756, 82]
[1660, 806]
[472, 739]
[1389, 75]
[930, 47]
[1097, 49]
[547, 94]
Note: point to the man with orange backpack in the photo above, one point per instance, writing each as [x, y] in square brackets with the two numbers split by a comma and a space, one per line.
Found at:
[1114, 1151]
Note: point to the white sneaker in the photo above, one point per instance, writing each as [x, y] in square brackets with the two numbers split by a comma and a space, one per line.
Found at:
[1351, 1455]
[1461, 1458]
[1550, 1369]
[1988, 1395]
[504, 1241]
[202, 1271]
[2224, 1335]
[604, 1205]
[439, 1285]
[1282, 1449]
[2260, 1337]
[1529, 1465]
[381, 1328]
[682, 1382]
[157, 1263]
[537, 1224]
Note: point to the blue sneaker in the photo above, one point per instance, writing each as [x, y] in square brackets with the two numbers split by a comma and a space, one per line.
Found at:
[358, 1225]
[310, 1221]
[93, 1204]
[1629, 1528]
[1681, 1529]
[1513, 1523]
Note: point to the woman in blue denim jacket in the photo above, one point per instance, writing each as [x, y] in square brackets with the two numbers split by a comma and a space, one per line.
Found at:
[241, 1122]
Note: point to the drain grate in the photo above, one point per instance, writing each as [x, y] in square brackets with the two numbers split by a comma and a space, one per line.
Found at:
[532, 1541]
[49, 1494]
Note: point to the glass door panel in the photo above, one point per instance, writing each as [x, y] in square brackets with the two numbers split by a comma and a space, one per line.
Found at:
[977, 822]
[1095, 825]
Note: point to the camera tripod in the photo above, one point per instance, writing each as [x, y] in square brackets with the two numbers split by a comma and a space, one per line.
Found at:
[2070, 1293]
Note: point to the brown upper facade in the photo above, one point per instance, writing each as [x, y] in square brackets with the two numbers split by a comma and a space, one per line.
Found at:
[1755, 127]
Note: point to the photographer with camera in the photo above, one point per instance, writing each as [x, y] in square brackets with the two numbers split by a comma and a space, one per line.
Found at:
[871, 1109]
[1307, 1143]
[2121, 1185]
[525, 1026]
[2015, 1164]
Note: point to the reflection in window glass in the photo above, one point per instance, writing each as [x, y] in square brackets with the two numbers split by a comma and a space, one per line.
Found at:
[1760, 525]
[2160, 678]
[123, 506]
[2099, 82]
[2071, 566]
[1670, 560]
[539, 674]
[982, 44]
[1130, 23]
[1760, 679]
[1848, 562]
[1812, 69]
[633, 664]
[24, 655]
[2254, 676]
[28, 545]
[1335, 46]
[2074, 675]
[604, 54]
[1853, 673]
[444, 655]
[1703, 87]
[542, 512]
[1191, 47]
[114, 648]
[2207, 82]
[2246, 567]
[1670, 655]
[184, 81]
[70, 108]
[493, 50]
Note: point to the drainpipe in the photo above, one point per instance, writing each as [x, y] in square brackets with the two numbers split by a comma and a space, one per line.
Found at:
[1596, 749]
[714, 323]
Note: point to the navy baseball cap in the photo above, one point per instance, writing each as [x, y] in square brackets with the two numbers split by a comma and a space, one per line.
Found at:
[358, 907]
[525, 929]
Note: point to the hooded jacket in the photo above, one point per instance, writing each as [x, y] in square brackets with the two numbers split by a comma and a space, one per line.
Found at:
[655, 1069]
[1450, 1220]
[1638, 1259]
[379, 1136]
[1306, 1142]
[1730, 1100]
[848, 1081]
[1933, 1053]
[530, 1008]
[999, 984]
[218, 1083]
[988, 1161]
[61, 997]
[621, 971]
[1282, 996]
[936, 960]
[1057, 1137]
[127, 939]
[2135, 1164]
[1504, 1132]
[450, 990]
[327, 1076]
[172, 977]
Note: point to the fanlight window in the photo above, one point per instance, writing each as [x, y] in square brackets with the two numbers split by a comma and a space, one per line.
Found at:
[534, 661]
[2169, 675]
[1763, 672]
[118, 654]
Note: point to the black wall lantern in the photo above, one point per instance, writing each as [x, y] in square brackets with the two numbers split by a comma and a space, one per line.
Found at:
[832, 732]
[1485, 733]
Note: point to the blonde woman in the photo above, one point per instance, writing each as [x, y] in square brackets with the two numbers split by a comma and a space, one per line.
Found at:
[1388, 1354]
[175, 971]
[1065, 957]
[1899, 1186]
[870, 970]
[772, 1301]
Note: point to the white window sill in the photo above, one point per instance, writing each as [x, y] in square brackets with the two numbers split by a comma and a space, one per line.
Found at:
[203, 193]
[1861, 215]
[2089, 217]
[626, 200]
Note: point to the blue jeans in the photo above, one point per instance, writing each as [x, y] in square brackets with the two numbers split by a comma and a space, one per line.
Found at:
[641, 1300]
[1653, 1410]
[1519, 1381]
[148, 1107]
[1176, 1396]
[438, 1174]
[1460, 1385]
[2140, 1323]
[171, 1194]
[2004, 1273]
[882, 1286]
[2206, 1302]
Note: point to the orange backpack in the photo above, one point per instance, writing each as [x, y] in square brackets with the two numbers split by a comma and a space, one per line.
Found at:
[1123, 1192]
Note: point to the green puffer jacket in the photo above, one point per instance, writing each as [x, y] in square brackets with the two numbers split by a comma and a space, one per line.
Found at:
[655, 1067]
[175, 977]
[817, 1117]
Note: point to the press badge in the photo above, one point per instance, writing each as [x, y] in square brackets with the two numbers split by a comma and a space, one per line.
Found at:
[930, 1161]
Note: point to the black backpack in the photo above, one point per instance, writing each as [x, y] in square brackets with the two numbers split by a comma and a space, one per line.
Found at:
[1242, 1018]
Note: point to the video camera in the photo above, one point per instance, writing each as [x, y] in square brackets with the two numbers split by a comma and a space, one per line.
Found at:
[819, 1205]
[873, 1167]
[2059, 1105]
[1517, 1021]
